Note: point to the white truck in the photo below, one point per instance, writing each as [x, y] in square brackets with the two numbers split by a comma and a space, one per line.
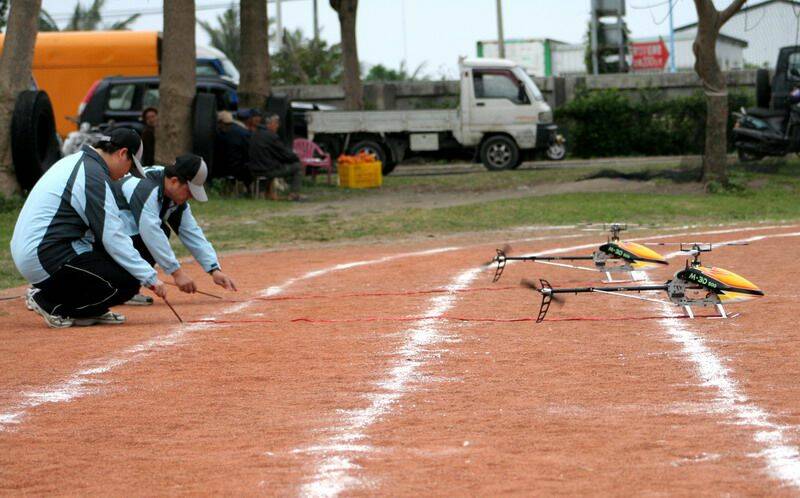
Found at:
[502, 118]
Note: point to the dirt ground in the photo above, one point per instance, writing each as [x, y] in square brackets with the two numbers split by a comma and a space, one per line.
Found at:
[397, 370]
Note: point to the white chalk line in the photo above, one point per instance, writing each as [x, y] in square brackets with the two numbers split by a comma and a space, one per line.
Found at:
[782, 459]
[334, 471]
[88, 380]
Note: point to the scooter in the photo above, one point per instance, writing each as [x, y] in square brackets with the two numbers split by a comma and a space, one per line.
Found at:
[762, 132]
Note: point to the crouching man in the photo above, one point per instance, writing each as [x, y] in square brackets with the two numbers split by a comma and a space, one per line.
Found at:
[69, 241]
[155, 206]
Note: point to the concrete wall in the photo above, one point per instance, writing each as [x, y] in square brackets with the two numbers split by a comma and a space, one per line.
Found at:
[557, 91]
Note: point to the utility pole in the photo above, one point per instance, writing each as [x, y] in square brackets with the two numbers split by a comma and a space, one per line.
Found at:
[672, 64]
[316, 22]
[279, 25]
[501, 42]
[594, 42]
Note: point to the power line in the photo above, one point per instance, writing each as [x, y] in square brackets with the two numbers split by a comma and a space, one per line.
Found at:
[119, 13]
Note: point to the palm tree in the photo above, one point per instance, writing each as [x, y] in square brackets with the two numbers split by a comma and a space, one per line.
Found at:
[226, 36]
[86, 19]
[15, 75]
[254, 84]
[177, 87]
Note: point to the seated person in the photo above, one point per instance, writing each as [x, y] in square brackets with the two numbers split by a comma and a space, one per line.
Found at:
[149, 207]
[272, 158]
[231, 148]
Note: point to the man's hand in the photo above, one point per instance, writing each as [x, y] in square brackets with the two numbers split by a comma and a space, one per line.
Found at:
[184, 282]
[223, 280]
[159, 289]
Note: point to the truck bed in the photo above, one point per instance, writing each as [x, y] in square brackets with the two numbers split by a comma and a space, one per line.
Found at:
[422, 121]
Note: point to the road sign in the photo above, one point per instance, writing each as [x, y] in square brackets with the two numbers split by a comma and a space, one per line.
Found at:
[649, 55]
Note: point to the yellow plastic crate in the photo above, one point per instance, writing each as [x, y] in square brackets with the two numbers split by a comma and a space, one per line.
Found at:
[360, 175]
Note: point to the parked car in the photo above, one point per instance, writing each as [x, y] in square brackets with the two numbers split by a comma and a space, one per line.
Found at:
[122, 98]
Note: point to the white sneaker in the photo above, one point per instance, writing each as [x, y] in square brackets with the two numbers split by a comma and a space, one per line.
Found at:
[108, 318]
[53, 321]
[139, 300]
[29, 297]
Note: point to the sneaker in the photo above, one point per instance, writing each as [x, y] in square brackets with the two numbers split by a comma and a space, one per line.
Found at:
[53, 321]
[29, 297]
[108, 318]
[139, 300]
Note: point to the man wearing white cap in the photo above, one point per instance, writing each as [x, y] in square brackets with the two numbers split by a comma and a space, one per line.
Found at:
[154, 206]
[69, 241]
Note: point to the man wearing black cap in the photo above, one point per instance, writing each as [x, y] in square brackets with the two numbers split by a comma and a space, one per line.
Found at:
[157, 203]
[69, 241]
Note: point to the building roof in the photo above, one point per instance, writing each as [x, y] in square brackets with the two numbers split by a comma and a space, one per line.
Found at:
[766, 3]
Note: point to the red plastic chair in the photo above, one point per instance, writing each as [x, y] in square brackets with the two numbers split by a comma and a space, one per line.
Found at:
[312, 157]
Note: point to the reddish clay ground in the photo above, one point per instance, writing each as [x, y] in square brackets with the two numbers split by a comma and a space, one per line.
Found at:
[264, 405]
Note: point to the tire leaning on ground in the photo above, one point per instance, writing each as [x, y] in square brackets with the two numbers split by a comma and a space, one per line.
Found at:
[499, 153]
[204, 128]
[763, 90]
[34, 143]
[374, 148]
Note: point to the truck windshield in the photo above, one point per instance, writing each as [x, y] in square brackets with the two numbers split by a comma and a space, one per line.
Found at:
[522, 75]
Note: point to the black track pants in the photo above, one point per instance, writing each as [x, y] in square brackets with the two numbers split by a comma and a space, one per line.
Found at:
[87, 285]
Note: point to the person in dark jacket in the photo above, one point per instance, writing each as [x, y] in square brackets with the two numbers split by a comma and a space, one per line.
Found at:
[232, 148]
[272, 158]
[150, 120]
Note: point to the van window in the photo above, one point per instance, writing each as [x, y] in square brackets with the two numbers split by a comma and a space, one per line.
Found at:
[120, 97]
[498, 84]
[206, 68]
[150, 98]
[794, 63]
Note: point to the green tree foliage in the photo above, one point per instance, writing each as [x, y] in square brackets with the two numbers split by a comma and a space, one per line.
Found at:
[226, 34]
[380, 72]
[306, 61]
[609, 123]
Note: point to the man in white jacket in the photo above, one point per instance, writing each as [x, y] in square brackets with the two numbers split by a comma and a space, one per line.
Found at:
[69, 240]
[156, 205]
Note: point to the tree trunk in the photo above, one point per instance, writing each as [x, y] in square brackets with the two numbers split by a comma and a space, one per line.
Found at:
[351, 79]
[254, 81]
[177, 86]
[709, 22]
[15, 76]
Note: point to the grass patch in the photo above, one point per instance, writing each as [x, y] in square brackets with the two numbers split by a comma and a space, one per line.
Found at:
[766, 191]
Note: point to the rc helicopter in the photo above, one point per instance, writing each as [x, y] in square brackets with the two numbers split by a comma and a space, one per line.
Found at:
[694, 286]
[615, 256]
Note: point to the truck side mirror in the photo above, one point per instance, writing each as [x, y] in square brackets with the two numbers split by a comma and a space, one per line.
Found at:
[795, 72]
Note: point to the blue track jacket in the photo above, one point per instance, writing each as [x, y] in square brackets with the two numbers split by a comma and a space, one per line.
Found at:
[70, 208]
[148, 212]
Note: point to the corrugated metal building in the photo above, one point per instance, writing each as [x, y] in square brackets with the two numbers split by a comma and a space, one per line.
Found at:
[766, 27]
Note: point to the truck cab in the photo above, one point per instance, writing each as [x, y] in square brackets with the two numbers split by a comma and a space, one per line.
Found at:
[501, 120]
[499, 99]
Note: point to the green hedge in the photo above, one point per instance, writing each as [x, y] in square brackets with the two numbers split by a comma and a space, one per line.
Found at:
[607, 123]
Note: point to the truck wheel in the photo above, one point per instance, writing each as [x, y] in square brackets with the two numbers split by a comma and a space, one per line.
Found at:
[374, 148]
[556, 152]
[204, 129]
[763, 90]
[34, 143]
[499, 152]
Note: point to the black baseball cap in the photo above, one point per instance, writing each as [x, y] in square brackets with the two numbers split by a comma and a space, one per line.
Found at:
[192, 169]
[129, 139]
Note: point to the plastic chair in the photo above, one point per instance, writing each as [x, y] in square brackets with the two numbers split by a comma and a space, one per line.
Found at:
[313, 157]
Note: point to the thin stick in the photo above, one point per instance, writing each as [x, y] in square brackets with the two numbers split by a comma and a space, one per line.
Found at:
[199, 291]
[173, 310]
